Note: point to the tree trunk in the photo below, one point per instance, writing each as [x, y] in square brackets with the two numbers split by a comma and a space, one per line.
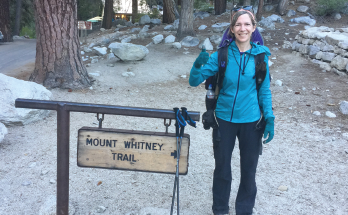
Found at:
[134, 9]
[246, 2]
[58, 60]
[282, 5]
[5, 26]
[186, 20]
[108, 14]
[219, 6]
[168, 11]
[259, 11]
[18, 17]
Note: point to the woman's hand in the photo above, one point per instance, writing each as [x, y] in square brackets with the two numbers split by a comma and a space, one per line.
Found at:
[269, 130]
[202, 58]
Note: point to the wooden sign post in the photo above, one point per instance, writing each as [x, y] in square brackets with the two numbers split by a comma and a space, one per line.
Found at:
[131, 150]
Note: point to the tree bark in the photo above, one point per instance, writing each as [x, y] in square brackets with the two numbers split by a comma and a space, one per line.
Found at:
[259, 10]
[58, 60]
[282, 5]
[18, 17]
[168, 11]
[5, 26]
[186, 20]
[108, 14]
[134, 9]
[219, 6]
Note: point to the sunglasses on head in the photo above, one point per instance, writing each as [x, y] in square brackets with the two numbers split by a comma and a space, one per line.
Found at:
[249, 7]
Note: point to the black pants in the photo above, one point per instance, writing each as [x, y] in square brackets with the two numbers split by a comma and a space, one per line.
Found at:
[249, 145]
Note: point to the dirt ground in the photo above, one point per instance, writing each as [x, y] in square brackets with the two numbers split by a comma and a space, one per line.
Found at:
[308, 155]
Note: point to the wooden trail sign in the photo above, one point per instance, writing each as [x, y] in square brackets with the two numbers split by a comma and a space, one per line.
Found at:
[131, 150]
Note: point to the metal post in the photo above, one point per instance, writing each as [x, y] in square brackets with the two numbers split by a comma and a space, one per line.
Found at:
[63, 133]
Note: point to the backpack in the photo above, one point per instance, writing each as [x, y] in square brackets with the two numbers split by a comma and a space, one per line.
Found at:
[209, 117]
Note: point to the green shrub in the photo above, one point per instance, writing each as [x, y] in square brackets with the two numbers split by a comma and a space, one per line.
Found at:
[28, 30]
[137, 17]
[203, 6]
[327, 7]
[154, 14]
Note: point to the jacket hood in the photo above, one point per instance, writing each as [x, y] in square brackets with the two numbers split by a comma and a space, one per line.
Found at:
[256, 49]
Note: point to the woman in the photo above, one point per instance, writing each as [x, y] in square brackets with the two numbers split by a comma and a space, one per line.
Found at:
[238, 111]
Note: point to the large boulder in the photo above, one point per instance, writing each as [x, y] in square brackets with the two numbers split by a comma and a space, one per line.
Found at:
[157, 39]
[169, 39]
[339, 62]
[190, 41]
[3, 131]
[10, 90]
[220, 27]
[207, 44]
[101, 51]
[156, 21]
[302, 9]
[304, 20]
[144, 20]
[128, 51]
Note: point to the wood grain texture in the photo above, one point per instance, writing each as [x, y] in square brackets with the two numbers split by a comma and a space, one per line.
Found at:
[131, 150]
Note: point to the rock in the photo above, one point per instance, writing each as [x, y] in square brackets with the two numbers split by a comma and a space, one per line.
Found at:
[52, 181]
[302, 9]
[339, 62]
[110, 65]
[343, 109]
[268, 8]
[10, 90]
[337, 16]
[144, 20]
[86, 49]
[102, 29]
[134, 30]
[334, 38]
[105, 41]
[325, 66]
[202, 27]
[327, 56]
[304, 20]
[128, 51]
[82, 52]
[177, 45]
[156, 21]
[101, 51]
[157, 39]
[144, 29]
[91, 45]
[3, 131]
[100, 209]
[190, 41]
[275, 18]
[127, 74]
[278, 83]
[268, 24]
[291, 13]
[220, 27]
[169, 28]
[313, 50]
[110, 56]
[128, 24]
[343, 45]
[283, 188]
[50, 205]
[330, 114]
[94, 74]
[216, 39]
[317, 113]
[94, 60]
[207, 44]
[169, 39]
[340, 73]
[201, 14]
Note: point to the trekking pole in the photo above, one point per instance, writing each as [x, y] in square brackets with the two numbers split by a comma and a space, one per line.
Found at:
[180, 121]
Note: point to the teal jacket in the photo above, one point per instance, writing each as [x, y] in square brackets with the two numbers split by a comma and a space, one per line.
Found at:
[237, 100]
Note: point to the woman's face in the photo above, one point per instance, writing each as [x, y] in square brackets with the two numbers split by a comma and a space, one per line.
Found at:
[243, 29]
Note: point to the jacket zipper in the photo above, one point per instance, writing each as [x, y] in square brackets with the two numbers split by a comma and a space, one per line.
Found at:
[235, 98]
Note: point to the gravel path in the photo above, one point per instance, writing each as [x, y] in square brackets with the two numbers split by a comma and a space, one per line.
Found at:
[308, 155]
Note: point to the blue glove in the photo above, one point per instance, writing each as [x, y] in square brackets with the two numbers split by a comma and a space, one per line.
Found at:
[202, 58]
[269, 130]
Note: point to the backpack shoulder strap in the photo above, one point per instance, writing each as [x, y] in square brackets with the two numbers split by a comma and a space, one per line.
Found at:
[222, 62]
[260, 70]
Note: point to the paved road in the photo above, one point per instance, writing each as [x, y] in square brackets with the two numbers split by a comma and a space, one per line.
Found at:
[16, 55]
